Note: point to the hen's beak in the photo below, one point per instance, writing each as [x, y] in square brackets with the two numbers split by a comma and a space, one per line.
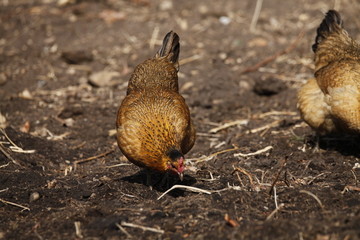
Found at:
[181, 176]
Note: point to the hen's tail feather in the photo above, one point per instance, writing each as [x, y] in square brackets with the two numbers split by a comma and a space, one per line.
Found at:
[170, 47]
[331, 23]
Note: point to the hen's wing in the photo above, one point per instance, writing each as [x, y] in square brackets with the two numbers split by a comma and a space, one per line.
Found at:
[340, 82]
[332, 42]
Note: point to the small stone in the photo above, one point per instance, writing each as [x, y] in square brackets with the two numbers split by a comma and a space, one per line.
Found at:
[26, 94]
[225, 20]
[34, 196]
[103, 78]
[244, 86]
[69, 122]
[222, 56]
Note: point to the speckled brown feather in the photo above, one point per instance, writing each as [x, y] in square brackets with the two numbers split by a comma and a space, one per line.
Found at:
[154, 119]
[313, 109]
[331, 102]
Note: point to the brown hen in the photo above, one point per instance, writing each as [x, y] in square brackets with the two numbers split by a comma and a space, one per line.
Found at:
[154, 129]
[330, 102]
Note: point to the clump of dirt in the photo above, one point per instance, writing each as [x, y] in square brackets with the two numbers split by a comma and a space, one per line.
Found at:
[269, 86]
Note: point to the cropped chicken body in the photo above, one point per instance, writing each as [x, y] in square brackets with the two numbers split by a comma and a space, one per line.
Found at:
[154, 129]
[330, 102]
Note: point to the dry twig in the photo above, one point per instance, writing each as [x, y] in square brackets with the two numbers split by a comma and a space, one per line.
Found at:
[275, 198]
[276, 55]
[314, 196]
[229, 124]
[274, 212]
[193, 189]
[267, 126]
[189, 59]
[351, 188]
[37, 225]
[211, 178]
[239, 169]
[229, 187]
[119, 165]
[256, 15]
[2, 149]
[94, 157]
[14, 147]
[5, 165]
[4, 190]
[150, 229]
[274, 113]
[14, 204]
[278, 175]
[211, 156]
[208, 135]
[123, 230]
[277, 207]
[153, 39]
[355, 178]
[253, 153]
[78, 229]
[314, 178]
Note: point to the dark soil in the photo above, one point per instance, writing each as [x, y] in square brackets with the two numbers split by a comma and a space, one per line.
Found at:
[64, 71]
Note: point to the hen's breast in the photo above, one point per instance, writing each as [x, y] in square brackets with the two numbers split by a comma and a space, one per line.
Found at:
[340, 82]
[150, 123]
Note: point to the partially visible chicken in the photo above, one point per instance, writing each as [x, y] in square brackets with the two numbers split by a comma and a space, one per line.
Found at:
[154, 129]
[330, 102]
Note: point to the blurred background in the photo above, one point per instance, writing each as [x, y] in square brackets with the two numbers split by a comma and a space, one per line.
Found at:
[64, 68]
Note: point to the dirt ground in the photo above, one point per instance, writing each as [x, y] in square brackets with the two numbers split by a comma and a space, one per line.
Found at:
[64, 67]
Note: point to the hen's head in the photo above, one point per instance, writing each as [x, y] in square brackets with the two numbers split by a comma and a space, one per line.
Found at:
[176, 164]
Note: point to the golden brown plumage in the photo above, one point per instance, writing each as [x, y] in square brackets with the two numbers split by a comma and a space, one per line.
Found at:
[154, 129]
[330, 102]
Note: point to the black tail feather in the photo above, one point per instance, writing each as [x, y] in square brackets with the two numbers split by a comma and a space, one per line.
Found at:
[331, 23]
[170, 47]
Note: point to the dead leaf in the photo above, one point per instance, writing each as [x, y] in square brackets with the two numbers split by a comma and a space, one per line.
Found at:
[230, 221]
[26, 127]
[26, 94]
